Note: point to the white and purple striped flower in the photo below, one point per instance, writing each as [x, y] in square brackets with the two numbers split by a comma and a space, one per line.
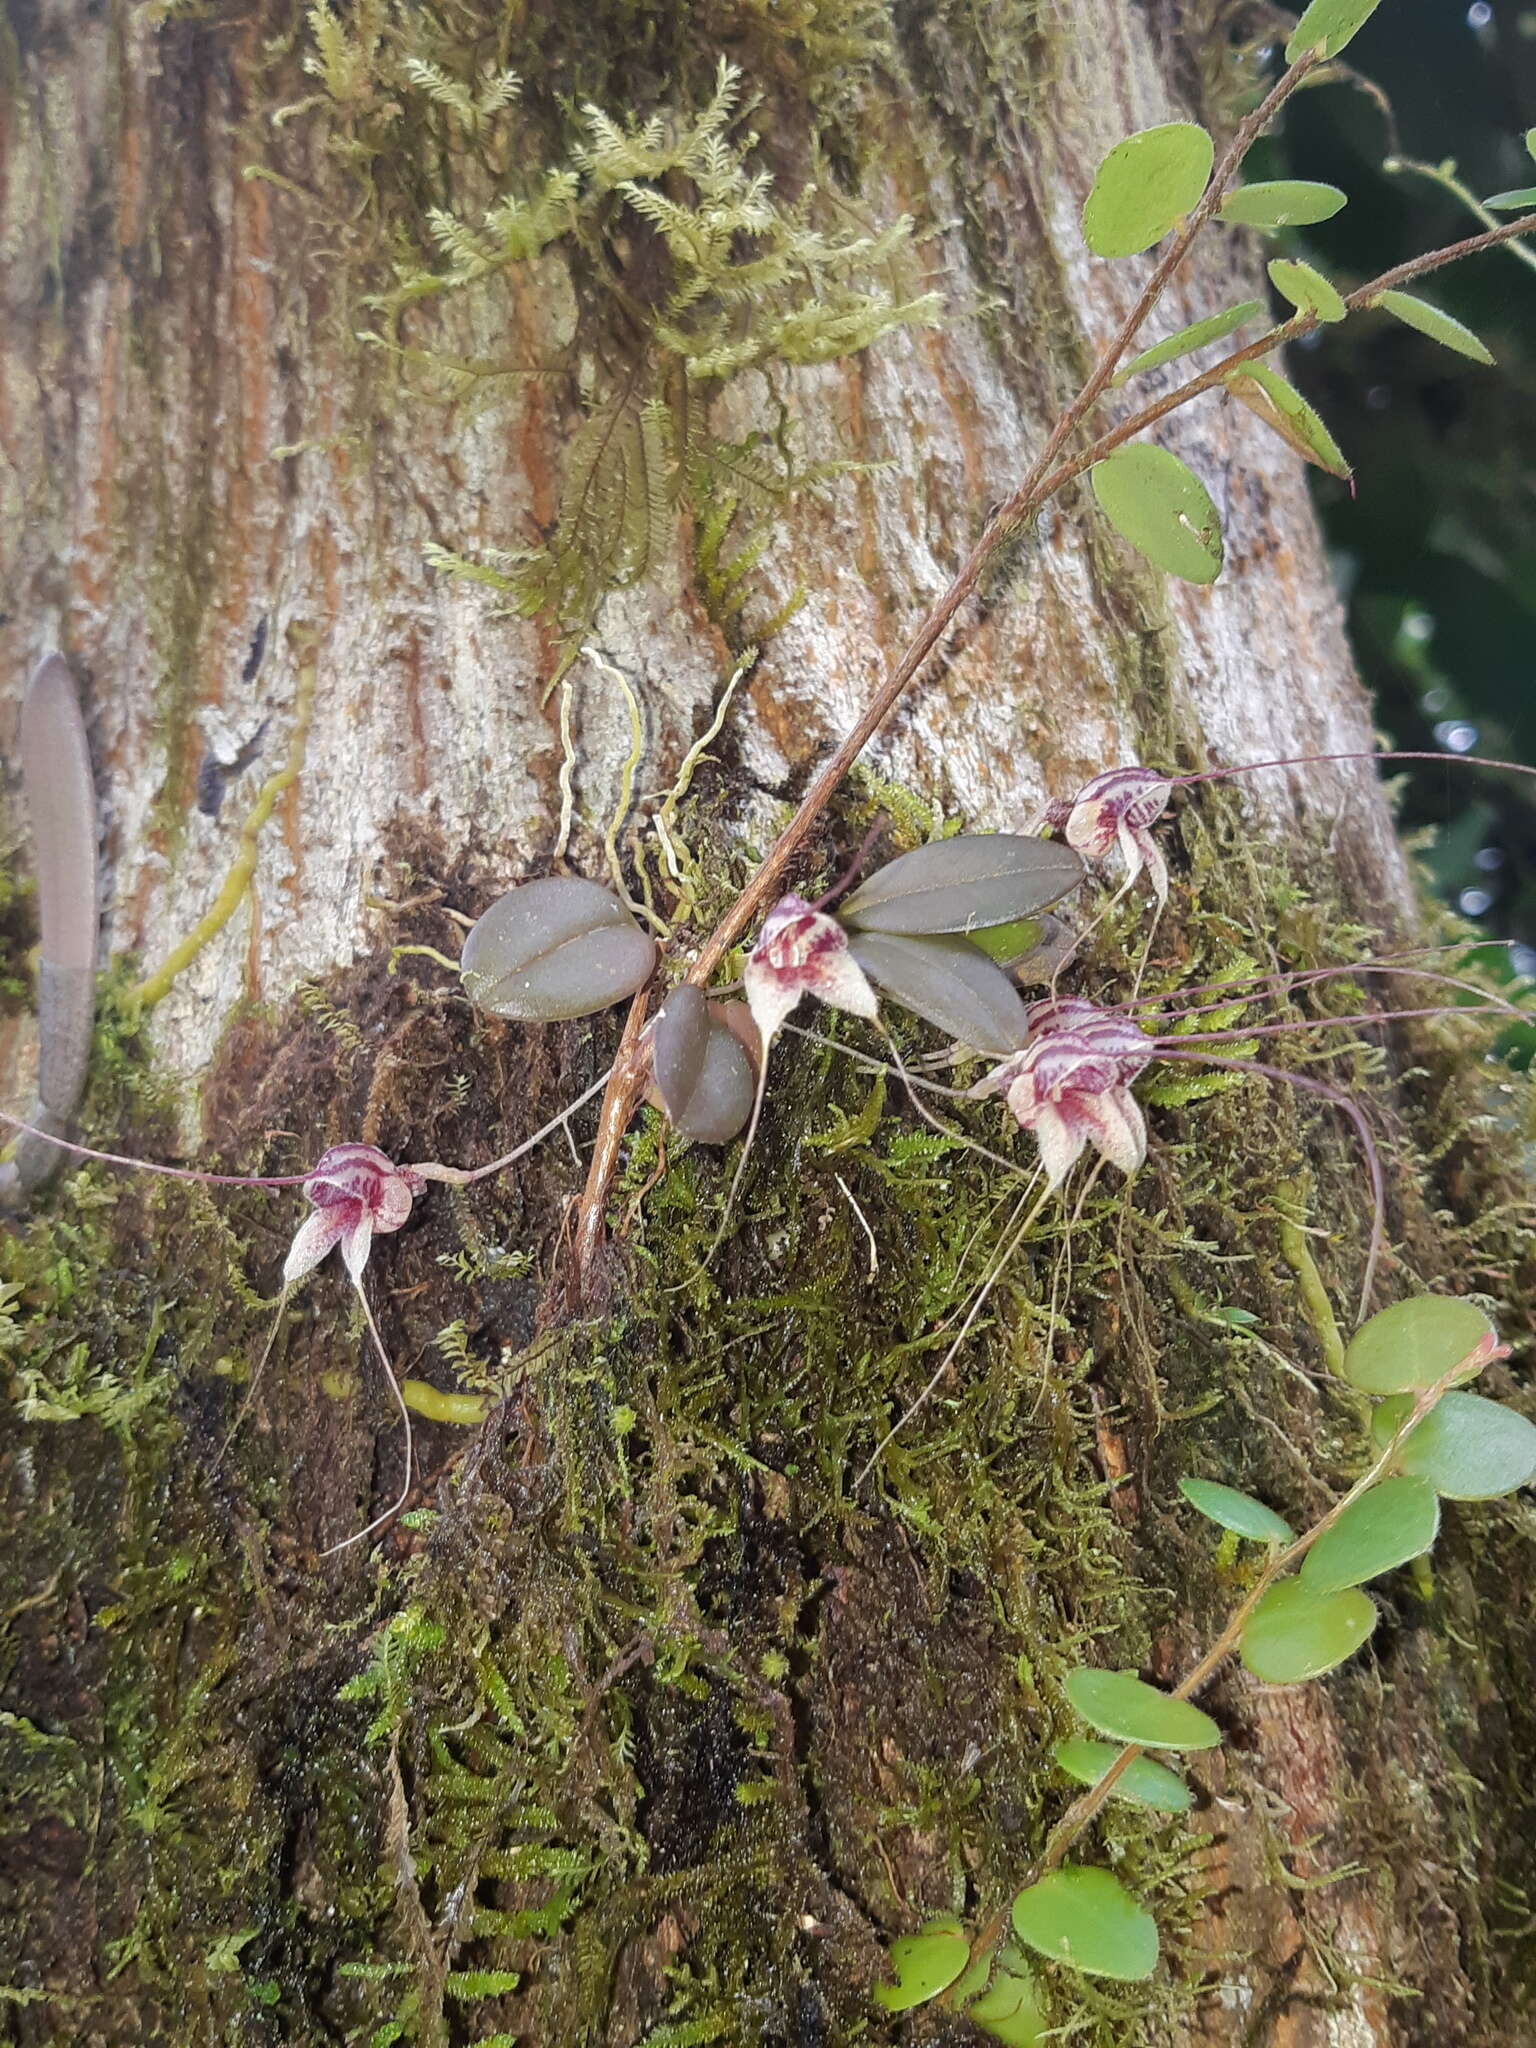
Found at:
[1070, 1085]
[800, 951]
[358, 1194]
[1118, 808]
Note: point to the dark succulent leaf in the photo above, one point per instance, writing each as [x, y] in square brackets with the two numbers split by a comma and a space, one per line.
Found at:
[964, 884]
[947, 982]
[678, 1040]
[61, 810]
[554, 949]
[60, 797]
[721, 1100]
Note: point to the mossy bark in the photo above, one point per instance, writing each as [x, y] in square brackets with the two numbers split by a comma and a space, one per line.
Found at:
[651, 1707]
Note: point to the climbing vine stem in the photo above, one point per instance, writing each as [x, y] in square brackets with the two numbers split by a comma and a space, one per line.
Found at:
[1084, 1809]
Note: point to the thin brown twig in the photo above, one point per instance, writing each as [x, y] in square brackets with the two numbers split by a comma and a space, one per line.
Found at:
[613, 1121]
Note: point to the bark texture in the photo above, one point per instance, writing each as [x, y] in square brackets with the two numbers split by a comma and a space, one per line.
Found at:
[651, 1709]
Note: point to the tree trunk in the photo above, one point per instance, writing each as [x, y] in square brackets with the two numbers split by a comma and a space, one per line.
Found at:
[650, 1704]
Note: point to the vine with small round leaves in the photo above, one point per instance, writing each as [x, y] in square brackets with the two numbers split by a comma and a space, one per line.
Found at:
[1302, 1616]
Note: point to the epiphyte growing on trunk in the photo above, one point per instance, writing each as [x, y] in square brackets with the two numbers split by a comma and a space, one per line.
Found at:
[555, 949]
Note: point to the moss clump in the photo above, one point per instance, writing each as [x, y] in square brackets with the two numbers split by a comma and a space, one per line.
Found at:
[687, 266]
[651, 1717]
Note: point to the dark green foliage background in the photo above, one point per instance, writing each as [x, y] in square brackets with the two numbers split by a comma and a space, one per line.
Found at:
[1442, 523]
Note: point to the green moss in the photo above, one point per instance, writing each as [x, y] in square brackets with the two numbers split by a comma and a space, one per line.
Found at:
[677, 238]
[18, 934]
[649, 1678]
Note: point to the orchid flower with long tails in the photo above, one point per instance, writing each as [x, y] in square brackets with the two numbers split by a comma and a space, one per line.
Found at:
[357, 1194]
[800, 951]
[1118, 808]
[1069, 1086]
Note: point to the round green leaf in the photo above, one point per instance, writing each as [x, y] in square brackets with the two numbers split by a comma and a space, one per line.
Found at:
[1188, 339]
[1512, 202]
[1162, 509]
[1230, 1509]
[1145, 1782]
[1530, 142]
[1296, 1633]
[1386, 1526]
[1010, 2011]
[1145, 186]
[925, 1963]
[1414, 1343]
[1307, 289]
[1281, 406]
[1327, 25]
[1118, 1703]
[1281, 203]
[1428, 319]
[1466, 1447]
[1085, 1918]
